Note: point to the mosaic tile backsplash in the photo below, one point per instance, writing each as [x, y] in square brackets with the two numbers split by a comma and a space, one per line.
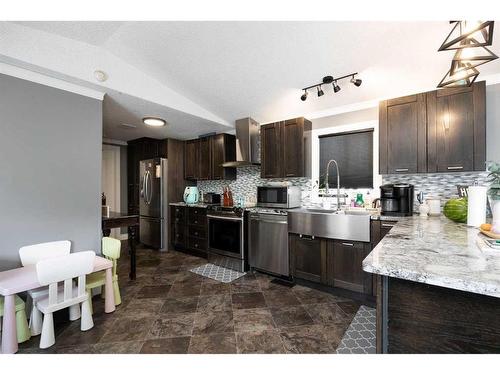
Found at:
[438, 185]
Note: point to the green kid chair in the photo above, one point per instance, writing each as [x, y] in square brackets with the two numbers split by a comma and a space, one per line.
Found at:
[111, 250]
[23, 331]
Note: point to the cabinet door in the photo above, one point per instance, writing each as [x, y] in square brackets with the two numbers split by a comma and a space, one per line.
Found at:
[308, 258]
[271, 157]
[403, 135]
[217, 157]
[191, 159]
[292, 147]
[204, 159]
[345, 266]
[457, 129]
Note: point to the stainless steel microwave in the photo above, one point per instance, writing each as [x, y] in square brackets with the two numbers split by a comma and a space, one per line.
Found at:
[278, 196]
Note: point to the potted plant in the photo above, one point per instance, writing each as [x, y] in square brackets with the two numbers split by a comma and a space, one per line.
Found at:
[494, 194]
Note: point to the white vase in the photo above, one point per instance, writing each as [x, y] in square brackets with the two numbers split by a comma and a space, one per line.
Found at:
[495, 211]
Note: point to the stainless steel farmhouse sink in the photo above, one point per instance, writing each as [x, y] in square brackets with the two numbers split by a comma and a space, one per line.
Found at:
[342, 225]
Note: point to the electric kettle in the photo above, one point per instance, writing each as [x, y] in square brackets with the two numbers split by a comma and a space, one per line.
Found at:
[191, 194]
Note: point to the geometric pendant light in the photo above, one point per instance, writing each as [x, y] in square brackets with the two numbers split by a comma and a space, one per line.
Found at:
[470, 57]
[465, 76]
[478, 32]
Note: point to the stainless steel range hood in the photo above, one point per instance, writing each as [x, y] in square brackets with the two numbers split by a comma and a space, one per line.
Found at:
[247, 143]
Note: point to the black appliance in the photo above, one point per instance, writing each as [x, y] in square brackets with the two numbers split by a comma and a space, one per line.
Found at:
[226, 237]
[396, 199]
[211, 198]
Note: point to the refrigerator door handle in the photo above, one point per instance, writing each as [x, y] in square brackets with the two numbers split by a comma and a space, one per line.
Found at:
[146, 188]
[150, 188]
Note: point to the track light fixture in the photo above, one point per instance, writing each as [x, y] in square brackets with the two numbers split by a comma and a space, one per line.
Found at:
[330, 80]
[469, 39]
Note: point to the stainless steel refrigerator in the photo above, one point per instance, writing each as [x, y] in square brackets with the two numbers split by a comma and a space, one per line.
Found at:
[153, 205]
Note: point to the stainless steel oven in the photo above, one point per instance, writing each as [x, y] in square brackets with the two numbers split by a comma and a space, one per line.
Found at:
[226, 237]
[278, 196]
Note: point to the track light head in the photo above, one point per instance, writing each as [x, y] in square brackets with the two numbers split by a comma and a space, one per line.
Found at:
[336, 87]
[304, 96]
[320, 91]
[356, 82]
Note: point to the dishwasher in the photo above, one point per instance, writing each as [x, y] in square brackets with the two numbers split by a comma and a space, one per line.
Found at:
[268, 242]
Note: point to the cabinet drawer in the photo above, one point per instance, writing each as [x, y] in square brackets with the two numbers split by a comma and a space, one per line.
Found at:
[179, 212]
[198, 220]
[178, 238]
[197, 243]
[196, 211]
[199, 232]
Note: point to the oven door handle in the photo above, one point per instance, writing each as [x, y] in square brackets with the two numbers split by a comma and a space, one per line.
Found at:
[225, 218]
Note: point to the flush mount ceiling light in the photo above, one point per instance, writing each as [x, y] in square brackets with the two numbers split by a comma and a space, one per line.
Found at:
[154, 121]
[329, 79]
[100, 75]
[480, 32]
[464, 77]
[471, 57]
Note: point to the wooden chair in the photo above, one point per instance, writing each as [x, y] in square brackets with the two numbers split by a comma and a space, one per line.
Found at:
[111, 250]
[63, 269]
[31, 255]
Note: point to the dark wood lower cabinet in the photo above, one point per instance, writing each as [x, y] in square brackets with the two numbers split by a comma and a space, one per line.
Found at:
[308, 258]
[420, 318]
[345, 266]
[189, 229]
[330, 262]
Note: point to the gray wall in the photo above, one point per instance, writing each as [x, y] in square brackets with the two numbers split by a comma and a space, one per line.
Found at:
[50, 168]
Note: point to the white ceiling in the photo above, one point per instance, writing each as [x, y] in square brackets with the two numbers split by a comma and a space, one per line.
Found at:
[257, 69]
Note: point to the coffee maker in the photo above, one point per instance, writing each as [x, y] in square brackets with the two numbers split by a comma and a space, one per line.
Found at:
[396, 199]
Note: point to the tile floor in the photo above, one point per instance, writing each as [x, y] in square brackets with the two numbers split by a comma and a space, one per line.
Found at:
[171, 310]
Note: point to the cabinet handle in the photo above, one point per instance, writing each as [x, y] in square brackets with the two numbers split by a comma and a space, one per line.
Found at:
[455, 168]
[195, 233]
[196, 221]
[195, 211]
[388, 225]
[347, 244]
[308, 238]
[177, 210]
[290, 174]
[195, 245]
[401, 169]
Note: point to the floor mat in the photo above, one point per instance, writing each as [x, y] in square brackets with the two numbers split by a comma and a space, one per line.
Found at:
[224, 275]
[360, 335]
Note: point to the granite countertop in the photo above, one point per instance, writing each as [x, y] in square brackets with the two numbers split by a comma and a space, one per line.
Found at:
[436, 251]
[183, 204]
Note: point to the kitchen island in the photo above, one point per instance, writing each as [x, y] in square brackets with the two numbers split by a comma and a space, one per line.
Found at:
[438, 292]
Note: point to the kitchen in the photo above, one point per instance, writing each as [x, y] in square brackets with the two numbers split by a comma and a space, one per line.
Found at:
[287, 225]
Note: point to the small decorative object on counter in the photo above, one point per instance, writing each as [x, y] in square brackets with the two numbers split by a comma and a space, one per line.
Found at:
[434, 206]
[227, 197]
[476, 202]
[368, 200]
[456, 209]
[359, 200]
[353, 202]
[423, 208]
[103, 199]
[494, 195]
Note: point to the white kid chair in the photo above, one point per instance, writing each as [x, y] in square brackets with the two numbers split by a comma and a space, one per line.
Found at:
[63, 269]
[31, 255]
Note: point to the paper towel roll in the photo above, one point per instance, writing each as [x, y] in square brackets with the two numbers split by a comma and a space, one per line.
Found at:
[476, 209]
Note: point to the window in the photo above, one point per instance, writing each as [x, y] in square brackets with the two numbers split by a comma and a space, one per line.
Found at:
[353, 152]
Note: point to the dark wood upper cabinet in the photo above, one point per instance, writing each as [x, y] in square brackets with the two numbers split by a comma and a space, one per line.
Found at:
[403, 133]
[204, 158]
[223, 150]
[457, 129]
[285, 148]
[270, 148]
[191, 152]
[439, 131]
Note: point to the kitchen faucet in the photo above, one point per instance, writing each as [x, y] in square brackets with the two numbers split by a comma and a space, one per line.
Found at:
[327, 194]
